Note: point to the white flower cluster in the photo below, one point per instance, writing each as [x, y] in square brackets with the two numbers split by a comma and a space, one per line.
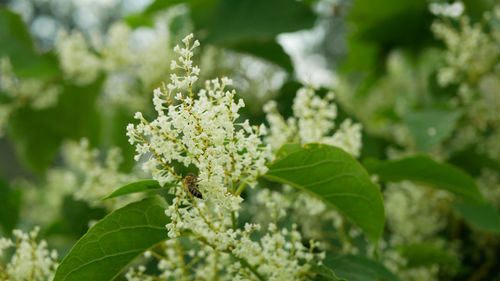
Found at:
[447, 10]
[131, 69]
[313, 120]
[278, 256]
[30, 261]
[471, 52]
[472, 61]
[408, 220]
[175, 263]
[19, 92]
[310, 213]
[96, 178]
[84, 176]
[201, 131]
[76, 60]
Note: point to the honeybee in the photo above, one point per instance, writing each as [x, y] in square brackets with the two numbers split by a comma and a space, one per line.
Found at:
[191, 183]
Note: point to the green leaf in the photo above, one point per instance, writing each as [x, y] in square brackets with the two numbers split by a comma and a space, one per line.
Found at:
[483, 217]
[201, 11]
[18, 46]
[243, 20]
[77, 214]
[431, 126]
[324, 273]
[232, 21]
[37, 134]
[115, 241]
[359, 268]
[114, 120]
[362, 57]
[474, 162]
[335, 177]
[266, 49]
[138, 186]
[288, 149]
[423, 169]
[421, 254]
[392, 23]
[10, 206]
[139, 19]
[248, 26]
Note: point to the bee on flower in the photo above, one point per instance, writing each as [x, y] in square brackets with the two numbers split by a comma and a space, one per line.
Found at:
[191, 184]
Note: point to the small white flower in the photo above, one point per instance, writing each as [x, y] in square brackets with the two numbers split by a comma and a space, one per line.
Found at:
[313, 120]
[31, 260]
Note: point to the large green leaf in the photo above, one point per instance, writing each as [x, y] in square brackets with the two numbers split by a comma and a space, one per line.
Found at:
[423, 169]
[115, 241]
[244, 20]
[359, 268]
[16, 43]
[229, 21]
[482, 216]
[10, 206]
[430, 127]
[138, 186]
[248, 26]
[335, 177]
[37, 134]
[421, 254]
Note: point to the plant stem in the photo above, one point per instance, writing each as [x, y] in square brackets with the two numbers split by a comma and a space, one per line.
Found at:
[216, 270]
[250, 267]
[233, 219]
[241, 187]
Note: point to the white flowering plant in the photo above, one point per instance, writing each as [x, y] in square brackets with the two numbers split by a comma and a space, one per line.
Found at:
[141, 166]
[200, 151]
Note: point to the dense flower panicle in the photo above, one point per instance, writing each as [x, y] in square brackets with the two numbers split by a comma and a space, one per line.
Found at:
[470, 51]
[202, 130]
[471, 62]
[313, 120]
[30, 261]
[278, 256]
[312, 215]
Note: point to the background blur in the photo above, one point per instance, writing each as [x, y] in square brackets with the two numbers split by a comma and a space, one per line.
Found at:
[421, 76]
